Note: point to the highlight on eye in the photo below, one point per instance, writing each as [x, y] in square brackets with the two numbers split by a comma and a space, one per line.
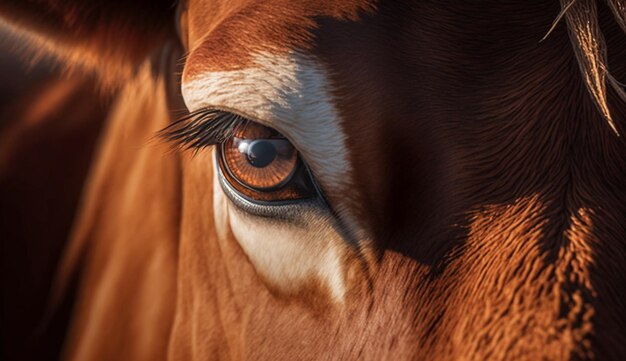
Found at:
[259, 158]
[256, 161]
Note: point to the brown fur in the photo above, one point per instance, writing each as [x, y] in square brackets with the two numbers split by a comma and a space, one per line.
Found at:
[221, 23]
[491, 184]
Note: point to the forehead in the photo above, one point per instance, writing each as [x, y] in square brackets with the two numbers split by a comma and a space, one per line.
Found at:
[224, 34]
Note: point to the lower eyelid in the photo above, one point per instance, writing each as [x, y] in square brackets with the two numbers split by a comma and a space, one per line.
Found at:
[281, 210]
[287, 210]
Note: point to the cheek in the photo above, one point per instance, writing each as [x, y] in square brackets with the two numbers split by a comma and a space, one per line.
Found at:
[301, 256]
[292, 259]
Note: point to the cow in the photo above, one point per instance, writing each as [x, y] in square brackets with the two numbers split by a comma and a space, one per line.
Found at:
[354, 179]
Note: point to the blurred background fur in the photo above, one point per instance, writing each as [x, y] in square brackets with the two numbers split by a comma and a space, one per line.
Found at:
[49, 125]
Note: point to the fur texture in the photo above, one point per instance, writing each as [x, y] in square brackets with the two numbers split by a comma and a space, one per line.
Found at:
[486, 180]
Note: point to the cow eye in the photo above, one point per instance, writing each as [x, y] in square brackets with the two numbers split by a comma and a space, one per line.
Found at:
[263, 165]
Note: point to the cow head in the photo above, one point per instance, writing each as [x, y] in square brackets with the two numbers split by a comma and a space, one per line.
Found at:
[361, 179]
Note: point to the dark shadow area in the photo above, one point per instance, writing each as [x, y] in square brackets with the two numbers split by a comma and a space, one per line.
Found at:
[49, 126]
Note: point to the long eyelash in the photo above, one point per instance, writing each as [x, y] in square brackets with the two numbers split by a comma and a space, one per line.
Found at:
[203, 128]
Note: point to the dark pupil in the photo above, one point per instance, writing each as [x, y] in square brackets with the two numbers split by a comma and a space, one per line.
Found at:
[261, 153]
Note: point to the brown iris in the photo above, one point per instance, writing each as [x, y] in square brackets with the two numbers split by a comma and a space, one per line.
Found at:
[263, 165]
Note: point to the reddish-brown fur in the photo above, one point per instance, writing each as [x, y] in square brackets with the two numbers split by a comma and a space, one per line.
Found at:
[488, 176]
